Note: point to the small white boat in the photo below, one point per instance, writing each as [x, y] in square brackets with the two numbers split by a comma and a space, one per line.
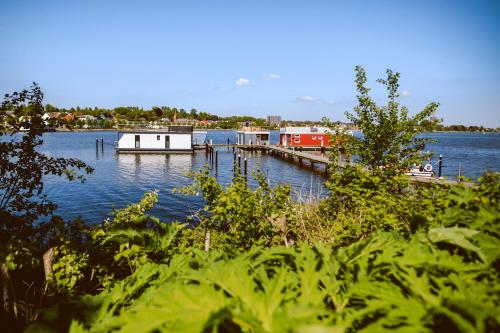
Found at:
[421, 171]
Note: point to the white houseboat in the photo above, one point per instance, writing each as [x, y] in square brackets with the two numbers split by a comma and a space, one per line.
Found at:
[174, 139]
[252, 136]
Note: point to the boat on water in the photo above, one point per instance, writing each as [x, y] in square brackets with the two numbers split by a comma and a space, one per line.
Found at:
[421, 170]
[173, 139]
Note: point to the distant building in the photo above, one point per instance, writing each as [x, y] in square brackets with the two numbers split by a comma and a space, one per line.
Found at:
[273, 120]
[69, 117]
[87, 117]
[185, 121]
[54, 115]
[103, 116]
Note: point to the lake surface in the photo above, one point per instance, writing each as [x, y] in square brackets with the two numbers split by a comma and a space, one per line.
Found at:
[120, 179]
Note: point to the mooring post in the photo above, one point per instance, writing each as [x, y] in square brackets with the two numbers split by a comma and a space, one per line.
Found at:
[459, 172]
[216, 159]
[97, 145]
[102, 145]
[228, 141]
[239, 161]
[246, 170]
[440, 165]
[234, 163]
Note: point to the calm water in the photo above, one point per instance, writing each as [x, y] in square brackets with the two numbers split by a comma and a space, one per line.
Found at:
[120, 179]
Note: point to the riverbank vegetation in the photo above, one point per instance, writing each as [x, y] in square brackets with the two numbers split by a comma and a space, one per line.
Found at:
[378, 254]
[130, 117]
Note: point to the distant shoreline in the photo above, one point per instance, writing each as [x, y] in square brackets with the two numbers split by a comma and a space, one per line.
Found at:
[140, 129]
[215, 129]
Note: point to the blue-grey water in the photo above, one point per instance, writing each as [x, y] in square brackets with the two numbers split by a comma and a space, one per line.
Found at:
[120, 179]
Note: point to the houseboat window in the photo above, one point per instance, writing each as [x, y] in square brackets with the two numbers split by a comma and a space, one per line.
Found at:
[314, 137]
[158, 137]
[320, 138]
[297, 140]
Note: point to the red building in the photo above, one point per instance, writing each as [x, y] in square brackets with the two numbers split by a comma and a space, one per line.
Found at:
[305, 137]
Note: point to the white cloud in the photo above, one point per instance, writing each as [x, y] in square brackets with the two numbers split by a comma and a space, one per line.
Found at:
[307, 99]
[405, 93]
[273, 76]
[243, 82]
[310, 99]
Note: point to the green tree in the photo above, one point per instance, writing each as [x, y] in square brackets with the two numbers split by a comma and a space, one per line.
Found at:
[389, 143]
[372, 194]
[22, 171]
[157, 112]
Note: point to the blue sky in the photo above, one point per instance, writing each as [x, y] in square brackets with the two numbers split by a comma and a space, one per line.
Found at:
[291, 58]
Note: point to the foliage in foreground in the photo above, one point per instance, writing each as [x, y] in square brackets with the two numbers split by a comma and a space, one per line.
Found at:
[378, 254]
[440, 277]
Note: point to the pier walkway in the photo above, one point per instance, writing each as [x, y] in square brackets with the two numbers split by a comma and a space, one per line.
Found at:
[318, 156]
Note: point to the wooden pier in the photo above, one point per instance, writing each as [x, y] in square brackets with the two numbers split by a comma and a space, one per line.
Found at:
[319, 156]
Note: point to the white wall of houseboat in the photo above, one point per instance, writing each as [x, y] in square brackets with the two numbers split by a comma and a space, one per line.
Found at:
[180, 141]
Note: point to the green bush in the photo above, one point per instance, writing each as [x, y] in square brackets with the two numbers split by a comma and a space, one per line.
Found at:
[438, 276]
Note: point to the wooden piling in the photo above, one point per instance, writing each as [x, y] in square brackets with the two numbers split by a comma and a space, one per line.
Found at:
[216, 159]
[246, 169]
[440, 165]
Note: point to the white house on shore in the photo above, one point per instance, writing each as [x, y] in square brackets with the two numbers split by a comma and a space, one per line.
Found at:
[174, 139]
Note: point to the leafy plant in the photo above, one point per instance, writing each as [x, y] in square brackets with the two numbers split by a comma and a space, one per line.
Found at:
[439, 276]
[238, 217]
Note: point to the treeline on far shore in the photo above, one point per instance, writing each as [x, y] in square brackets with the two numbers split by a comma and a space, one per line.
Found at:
[463, 128]
[156, 117]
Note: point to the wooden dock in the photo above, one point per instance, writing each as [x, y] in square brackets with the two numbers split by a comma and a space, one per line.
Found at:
[320, 157]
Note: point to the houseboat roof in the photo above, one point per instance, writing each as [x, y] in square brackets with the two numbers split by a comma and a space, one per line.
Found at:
[253, 130]
[305, 130]
[168, 129]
